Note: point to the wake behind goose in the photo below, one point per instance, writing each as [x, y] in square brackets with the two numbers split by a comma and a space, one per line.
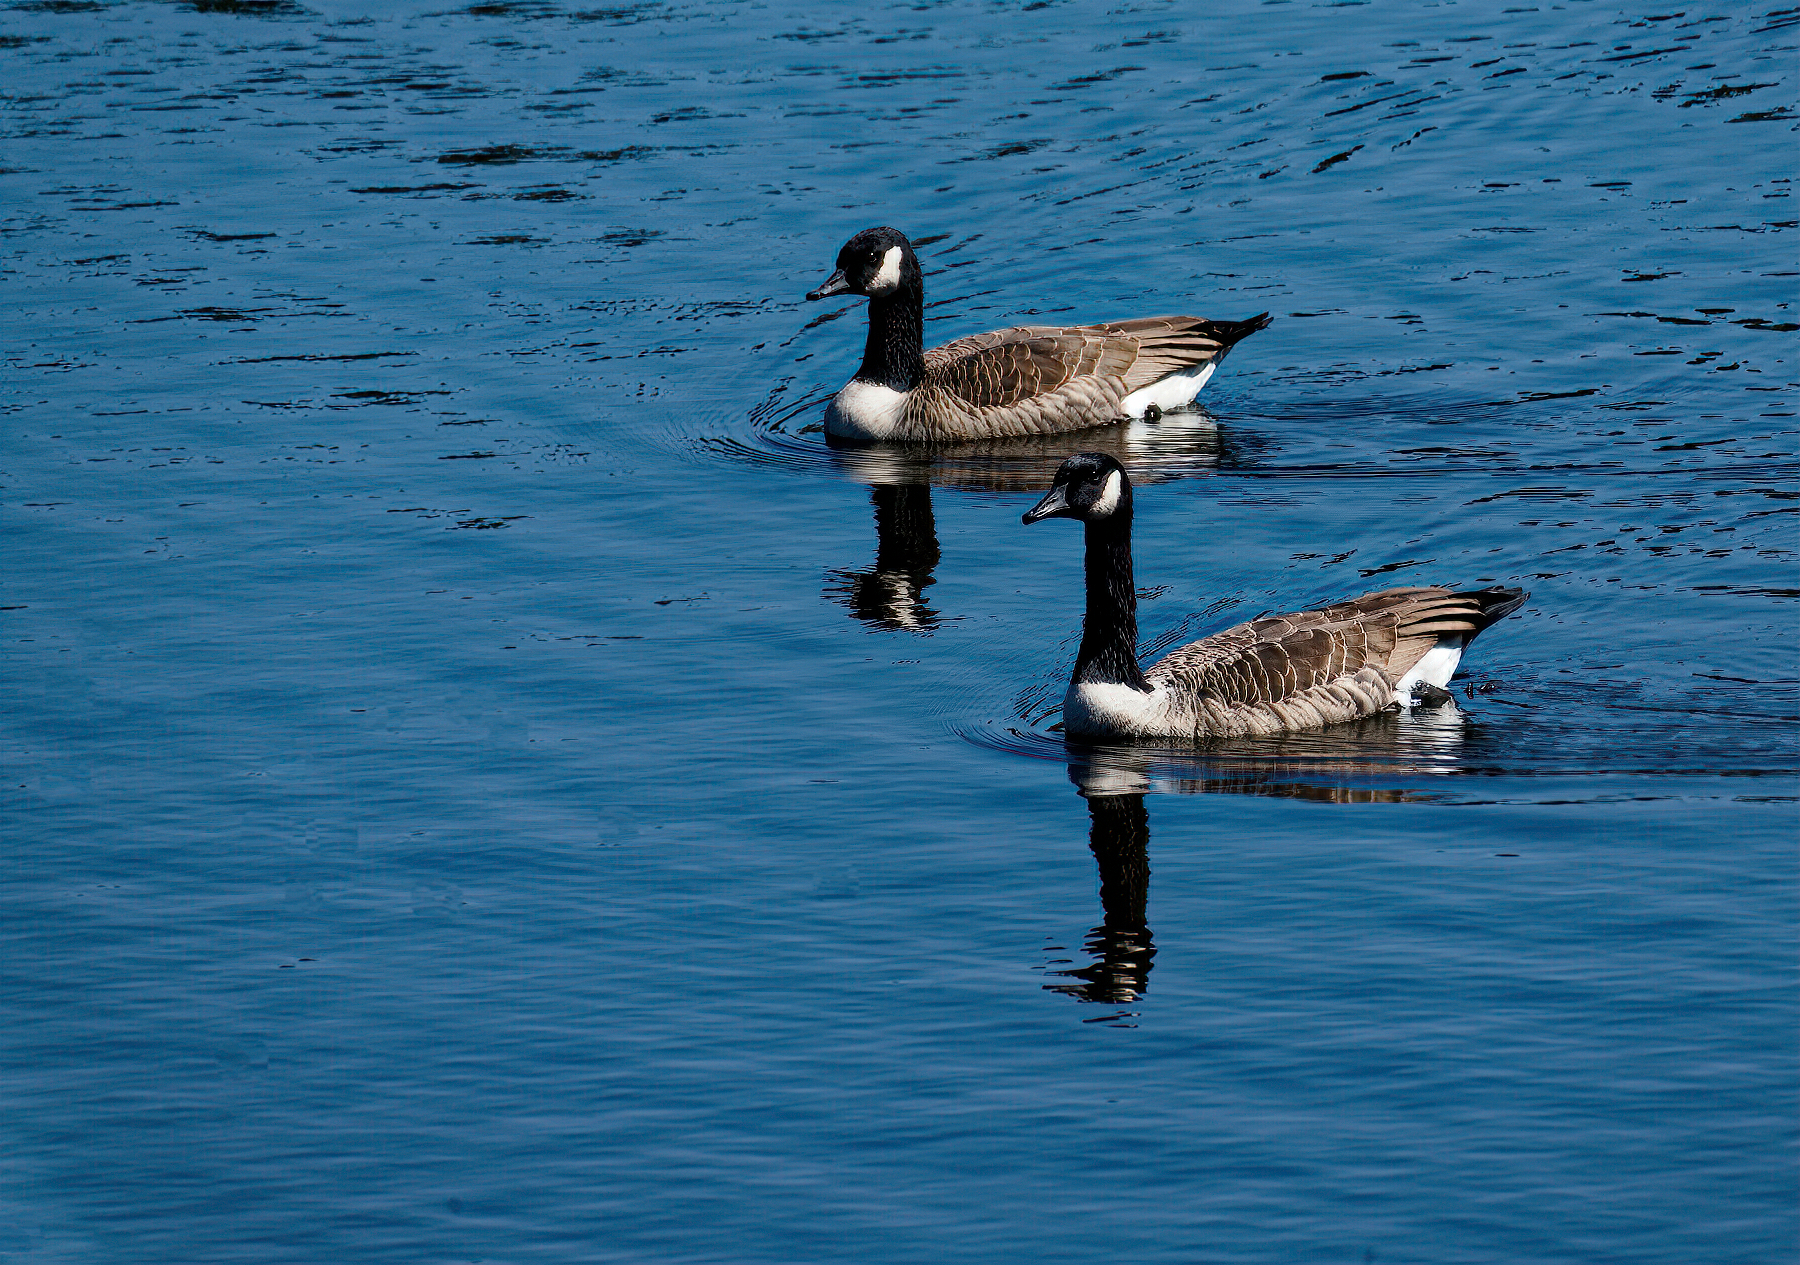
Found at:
[1026, 380]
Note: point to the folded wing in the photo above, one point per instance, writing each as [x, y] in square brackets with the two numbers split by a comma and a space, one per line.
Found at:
[1360, 646]
[1003, 367]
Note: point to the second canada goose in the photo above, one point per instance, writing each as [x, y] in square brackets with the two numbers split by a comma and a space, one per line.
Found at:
[1027, 380]
[1275, 674]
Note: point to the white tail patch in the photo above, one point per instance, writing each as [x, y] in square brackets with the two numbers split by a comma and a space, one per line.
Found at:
[1172, 391]
[889, 276]
[1436, 668]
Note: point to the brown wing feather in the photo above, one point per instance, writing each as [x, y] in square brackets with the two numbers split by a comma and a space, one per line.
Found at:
[1000, 368]
[1274, 658]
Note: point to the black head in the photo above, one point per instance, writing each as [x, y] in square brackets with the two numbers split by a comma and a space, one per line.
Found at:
[875, 262]
[1090, 486]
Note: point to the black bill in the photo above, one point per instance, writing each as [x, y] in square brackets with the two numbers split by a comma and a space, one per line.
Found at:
[836, 283]
[1054, 505]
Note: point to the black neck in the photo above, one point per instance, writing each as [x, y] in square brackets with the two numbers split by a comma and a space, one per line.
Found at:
[896, 338]
[1109, 633]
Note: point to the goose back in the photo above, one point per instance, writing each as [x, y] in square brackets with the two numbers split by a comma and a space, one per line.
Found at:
[1042, 379]
[1314, 668]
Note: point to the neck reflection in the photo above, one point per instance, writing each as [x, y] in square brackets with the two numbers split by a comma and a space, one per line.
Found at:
[1121, 946]
[890, 595]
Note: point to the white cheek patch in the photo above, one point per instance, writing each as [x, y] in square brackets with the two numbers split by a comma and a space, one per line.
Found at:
[889, 276]
[1109, 496]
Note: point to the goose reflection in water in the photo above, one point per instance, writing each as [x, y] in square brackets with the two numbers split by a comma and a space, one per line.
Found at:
[1179, 445]
[890, 594]
[1344, 765]
[1360, 762]
[1121, 946]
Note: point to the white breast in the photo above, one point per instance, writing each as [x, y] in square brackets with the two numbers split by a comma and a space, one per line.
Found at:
[865, 410]
[1115, 710]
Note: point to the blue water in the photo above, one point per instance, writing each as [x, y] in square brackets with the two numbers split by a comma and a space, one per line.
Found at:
[480, 786]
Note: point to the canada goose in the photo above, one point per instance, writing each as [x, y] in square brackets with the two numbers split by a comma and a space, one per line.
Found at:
[1027, 380]
[1274, 674]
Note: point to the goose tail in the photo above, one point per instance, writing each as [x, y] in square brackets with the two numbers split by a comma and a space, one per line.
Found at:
[1493, 605]
[1442, 625]
[1231, 333]
[1435, 612]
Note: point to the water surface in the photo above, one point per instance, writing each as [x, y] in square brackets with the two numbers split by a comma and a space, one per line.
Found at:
[487, 782]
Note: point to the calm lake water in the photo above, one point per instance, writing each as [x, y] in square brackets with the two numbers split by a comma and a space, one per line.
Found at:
[486, 782]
